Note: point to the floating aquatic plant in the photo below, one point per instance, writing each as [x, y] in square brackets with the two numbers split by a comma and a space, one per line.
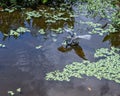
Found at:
[54, 39]
[19, 90]
[97, 28]
[2, 45]
[58, 30]
[11, 93]
[50, 21]
[108, 68]
[44, 1]
[102, 31]
[18, 31]
[51, 17]
[38, 47]
[104, 9]
[9, 10]
[14, 33]
[33, 14]
[42, 31]
[22, 30]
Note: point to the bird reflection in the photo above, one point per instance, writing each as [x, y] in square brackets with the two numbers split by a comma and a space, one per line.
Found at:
[78, 50]
[113, 38]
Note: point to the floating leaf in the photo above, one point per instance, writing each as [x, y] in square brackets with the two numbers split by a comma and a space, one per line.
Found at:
[2, 45]
[11, 93]
[38, 47]
[54, 39]
[18, 90]
[107, 68]
[41, 31]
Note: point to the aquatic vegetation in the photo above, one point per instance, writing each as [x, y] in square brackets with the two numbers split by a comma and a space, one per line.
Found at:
[10, 10]
[108, 68]
[102, 31]
[42, 31]
[2, 45]
[54, 39]
[12, 93]
[45, 18]
[29, 2]
[97, 28]
[44, 1]
[22, 30]
[33, 14]
[59, 30]
[104, 9]
[97, 7]
[38, 47]
[18, 31]
[14, 33]
[19, 90]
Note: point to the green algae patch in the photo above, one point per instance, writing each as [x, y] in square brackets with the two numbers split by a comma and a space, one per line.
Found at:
[108, 68]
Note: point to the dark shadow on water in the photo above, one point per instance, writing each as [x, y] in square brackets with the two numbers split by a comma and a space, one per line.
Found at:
[77, 49]
[113, 38]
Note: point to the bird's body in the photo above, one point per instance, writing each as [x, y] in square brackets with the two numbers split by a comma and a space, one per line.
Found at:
[73, 39]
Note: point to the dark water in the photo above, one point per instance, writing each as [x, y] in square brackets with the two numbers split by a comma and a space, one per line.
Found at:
[23, 66]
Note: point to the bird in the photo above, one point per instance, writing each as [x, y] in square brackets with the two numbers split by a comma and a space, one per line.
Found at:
[73, 38]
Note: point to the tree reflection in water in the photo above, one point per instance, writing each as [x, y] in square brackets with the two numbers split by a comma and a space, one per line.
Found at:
[113, 38]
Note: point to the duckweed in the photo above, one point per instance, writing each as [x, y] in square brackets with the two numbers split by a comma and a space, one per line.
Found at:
[97, 28]
[58, 30]
[9, 10]
[38, 47]
[19, 90]
[2, 45]
[18, 31]
[42, 31]
[33, 14]
[108, 68]
[11, 93]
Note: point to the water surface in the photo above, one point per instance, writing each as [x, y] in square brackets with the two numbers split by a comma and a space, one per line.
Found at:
[23, 66]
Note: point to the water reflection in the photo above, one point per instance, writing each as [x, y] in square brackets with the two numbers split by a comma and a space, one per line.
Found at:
[85, 87]
[16, 19]
[21, 65]
[77, 48]
[113, 38]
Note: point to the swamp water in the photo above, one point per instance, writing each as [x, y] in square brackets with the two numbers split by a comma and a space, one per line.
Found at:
[28, 56]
